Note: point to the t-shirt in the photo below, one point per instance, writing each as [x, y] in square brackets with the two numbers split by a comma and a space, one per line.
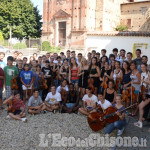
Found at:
[2, 64]
[91, 101]
[52, 99]
[65, 88]
[46, 71]
[9, 72]
[1, 80]
[26, 76]
[105, 105]
[33, 102]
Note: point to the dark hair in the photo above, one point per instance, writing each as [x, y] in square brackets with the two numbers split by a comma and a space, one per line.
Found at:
[16, 93]
[145, 56]
[25, 58]
[105, 57]
[71, 63]
[10, 58]
[122, 50]
[2, 53]
[100, 93]
[79, 54]
[112, 81]
[65, 59]
[47, 61]
[129, 53]
[91, 63]
[71, 84]
[35, 90]
[103, 50]
[35, 54]
[72, 51]
[116, 61]
[89, 53]
[93, 51]
[128, 66]
[97, 53]
[26, 65]
[58, 57]
[68, 51]
[111, 55]
[144, 64]
[89, 88]
[138, 50]
[38, 65]
[62, 53]
[115, 50]
[133, 62]
[107, 62]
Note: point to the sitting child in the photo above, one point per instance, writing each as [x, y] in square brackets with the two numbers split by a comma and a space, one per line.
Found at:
[52, 100]
[120, 124]
[35, 104]
[71, 104]
[16, 107]
[89, 102]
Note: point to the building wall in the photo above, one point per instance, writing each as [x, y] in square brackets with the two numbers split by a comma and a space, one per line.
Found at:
[138, 13]
[121, 42]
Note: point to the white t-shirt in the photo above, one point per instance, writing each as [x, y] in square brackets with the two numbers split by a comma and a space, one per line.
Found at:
[55, 61]
[90, 100]
[105, 105]
[52, 99]
[65, 88]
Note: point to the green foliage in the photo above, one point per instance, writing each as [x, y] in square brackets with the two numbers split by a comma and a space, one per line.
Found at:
[121, 27]
[22, 17]
[19, 46]
[47, 47]
[1, 36]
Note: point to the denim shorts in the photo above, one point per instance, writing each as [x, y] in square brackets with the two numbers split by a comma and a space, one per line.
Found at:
[70, 105]
[1, 89]
[88, 107]
[136, 92]
[75, 81]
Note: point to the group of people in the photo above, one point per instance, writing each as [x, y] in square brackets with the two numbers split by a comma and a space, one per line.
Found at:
[61, 82]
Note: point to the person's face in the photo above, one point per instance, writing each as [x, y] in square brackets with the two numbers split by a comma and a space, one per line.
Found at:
[93, 61]
[34, 55]
[15, 55]
[129, 57]
[36, 94]
[88, 91]
[143, 68]
[110, 85]
[33, 63]
[106, 65]
[103, 53]
[39, 59]
[64, 83]
[118, 100]
[31, 58]
[89, 56]
[44, 59]
[100, 97]
[47, 64]
[93, 54]
[19, 56]
[52, 58]
[26, 68]
[65, 62]
[138, 54]
[17, 96]
[10, 62]
[73, 60]
[59, 60]
[79, 57]
[132, 66]
[2, 56]
[24, 61]
[104, 59]
[144, 60]
[125, 65]
[20, 64]
[84, 62]
[53, 89]
[112, 58]
[68, 54]
[71, 88]
[98, 57]
[73, 55]
[122, 53]
[48, 55]
[117, 65]
[55, 56]
[38, 68]
[113, 63]
[115, 53]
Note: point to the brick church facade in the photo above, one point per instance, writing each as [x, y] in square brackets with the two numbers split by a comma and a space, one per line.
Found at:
[67, 23]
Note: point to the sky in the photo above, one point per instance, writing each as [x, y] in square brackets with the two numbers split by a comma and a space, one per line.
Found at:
[38, 3]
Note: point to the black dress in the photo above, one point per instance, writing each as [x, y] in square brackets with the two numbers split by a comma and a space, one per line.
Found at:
[96, 79]
[84, 83]
[109, 97]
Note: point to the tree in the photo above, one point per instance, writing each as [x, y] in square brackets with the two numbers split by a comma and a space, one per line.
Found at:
[22, 17]
[121, 27]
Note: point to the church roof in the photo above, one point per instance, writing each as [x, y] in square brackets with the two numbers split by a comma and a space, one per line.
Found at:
[61, 14]
[122, 33]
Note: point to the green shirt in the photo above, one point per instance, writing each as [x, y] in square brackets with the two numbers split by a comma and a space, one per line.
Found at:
[9, 72]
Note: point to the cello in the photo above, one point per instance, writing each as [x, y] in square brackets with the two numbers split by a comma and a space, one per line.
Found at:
[97, 121]
[104, 83]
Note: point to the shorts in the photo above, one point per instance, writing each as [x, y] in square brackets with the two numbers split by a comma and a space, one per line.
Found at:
[8, 91]
[1, 89]
[24, 88]
[75, 81]
[70, 105]
[16, 112]
[136, 92]
[88, 107]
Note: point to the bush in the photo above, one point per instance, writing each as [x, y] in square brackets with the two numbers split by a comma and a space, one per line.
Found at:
[19, 46]
[1, 36]
[121, 27]
[47, 47]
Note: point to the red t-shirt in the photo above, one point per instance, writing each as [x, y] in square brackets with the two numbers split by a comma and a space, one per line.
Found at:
[1, 80]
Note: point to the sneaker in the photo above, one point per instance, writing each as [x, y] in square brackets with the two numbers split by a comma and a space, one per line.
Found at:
[54, 111]
[8, 117]
[43, 112]
[24, 120]
[138, 124]
[120, 132]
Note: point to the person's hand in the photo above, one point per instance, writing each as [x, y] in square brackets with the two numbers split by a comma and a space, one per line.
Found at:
[124, 86]
[118, 113]
[91, 75]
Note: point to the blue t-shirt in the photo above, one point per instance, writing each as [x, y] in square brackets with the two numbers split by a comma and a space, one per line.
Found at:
[2, 64]
[26, 76]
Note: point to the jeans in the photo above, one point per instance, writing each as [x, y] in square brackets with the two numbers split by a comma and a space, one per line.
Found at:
[116, 125]
[57, 83]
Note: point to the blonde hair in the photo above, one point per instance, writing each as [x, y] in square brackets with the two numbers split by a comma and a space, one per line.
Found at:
[119, 95]
[82, 60]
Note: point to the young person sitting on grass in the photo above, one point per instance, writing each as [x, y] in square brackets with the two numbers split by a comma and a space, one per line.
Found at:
[16, 107]
[35, 104]
[52, 100]
[89, 102]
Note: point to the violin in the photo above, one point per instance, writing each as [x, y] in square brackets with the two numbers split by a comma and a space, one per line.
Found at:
[97, 121]
[91, 84]
[63, 94]
[45, 84]
[131, 92]
[41, 87]
[104, 83]
[11, 103]
[125, 94]
[117, 82]
[14, 85]
[58, 77]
